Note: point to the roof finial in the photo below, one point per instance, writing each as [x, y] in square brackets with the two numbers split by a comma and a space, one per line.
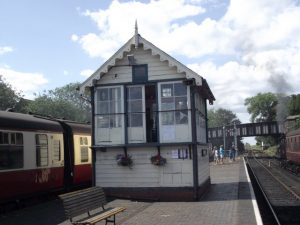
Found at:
[136, 35]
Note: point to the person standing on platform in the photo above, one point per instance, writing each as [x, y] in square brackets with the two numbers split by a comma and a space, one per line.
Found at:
[233, 152]
[216, 155]
[222, 153]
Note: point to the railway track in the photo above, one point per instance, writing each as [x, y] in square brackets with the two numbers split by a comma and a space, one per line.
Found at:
[281, 190]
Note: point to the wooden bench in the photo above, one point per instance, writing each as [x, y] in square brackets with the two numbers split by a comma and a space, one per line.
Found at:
[83, 202]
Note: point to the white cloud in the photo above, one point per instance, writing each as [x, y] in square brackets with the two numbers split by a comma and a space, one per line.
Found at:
[5, 49]
[273, 23]
[27, 82]
[74, 37]
[66, 72]
[116, 24]
[258, 41]
[86, 73]
[233, 82]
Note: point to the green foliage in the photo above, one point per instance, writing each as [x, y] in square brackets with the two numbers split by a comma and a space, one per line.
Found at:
[9, 98]
[294, 105]
[271, 151]
[64, 102]
[297, 124]
[268, 140]
[221, 117]
[247, 146]
[262, 107]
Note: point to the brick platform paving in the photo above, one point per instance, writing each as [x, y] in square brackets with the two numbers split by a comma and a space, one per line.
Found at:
[227, 202]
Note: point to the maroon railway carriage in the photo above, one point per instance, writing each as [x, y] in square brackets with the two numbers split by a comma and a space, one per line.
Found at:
[293, 146]
[292, 139]
[40, 155]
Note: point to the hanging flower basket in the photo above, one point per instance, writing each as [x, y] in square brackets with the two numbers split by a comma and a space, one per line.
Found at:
[158, 160]
[124, 160]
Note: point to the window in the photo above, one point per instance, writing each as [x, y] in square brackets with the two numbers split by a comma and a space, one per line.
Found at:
[84, 149]
[174, 112]
[11, 150]
[200, 117]
[201, 127]
[109, 105]
[265, 129]
[244, 131]
[56, 151]
[136, 125]
[139, 74]
[257, 130]
[174, 103]
[109, 115]
[135, 106]
[41, 150]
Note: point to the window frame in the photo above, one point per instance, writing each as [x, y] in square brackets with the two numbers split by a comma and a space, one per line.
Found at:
[138, 130]
[38, 150]
[107, 135]
[9, 149]
[84, 146]
[170, 132]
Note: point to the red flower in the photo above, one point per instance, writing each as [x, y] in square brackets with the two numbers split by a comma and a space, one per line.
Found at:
[158, 160]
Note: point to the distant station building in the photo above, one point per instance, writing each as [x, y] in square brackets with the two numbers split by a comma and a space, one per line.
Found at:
[149, 125]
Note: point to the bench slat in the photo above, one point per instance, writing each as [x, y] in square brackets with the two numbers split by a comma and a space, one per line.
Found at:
[86, 193]
[85, 205]
[102, 216]
[85, 198]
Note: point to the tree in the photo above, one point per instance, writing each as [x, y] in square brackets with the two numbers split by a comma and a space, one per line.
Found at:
[221, 117]
[9, 97]
[294, 105]
[64, 102]
[262, 107]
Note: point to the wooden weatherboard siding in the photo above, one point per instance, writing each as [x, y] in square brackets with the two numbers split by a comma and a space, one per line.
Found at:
[157, 70]
[175, 173]
[203, 163]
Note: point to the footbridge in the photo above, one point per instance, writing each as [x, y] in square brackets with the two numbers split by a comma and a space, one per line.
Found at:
[246, 130]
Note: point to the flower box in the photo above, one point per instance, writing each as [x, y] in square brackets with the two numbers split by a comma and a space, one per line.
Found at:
[123, 160]
[158, 160]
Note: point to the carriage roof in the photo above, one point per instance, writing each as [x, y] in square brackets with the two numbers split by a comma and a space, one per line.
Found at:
[19, 121]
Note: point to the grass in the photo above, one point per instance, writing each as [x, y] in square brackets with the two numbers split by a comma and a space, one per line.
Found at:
[271, 151]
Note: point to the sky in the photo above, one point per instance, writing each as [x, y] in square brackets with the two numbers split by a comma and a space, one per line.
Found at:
[240, 47]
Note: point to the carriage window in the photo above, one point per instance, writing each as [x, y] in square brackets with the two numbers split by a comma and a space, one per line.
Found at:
[56, 151]
[5, 138]
[84, 153]
[11, 152]
[41, 150]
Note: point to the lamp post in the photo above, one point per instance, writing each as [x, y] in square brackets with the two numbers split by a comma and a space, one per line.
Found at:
[224, 136]
[235, 137]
